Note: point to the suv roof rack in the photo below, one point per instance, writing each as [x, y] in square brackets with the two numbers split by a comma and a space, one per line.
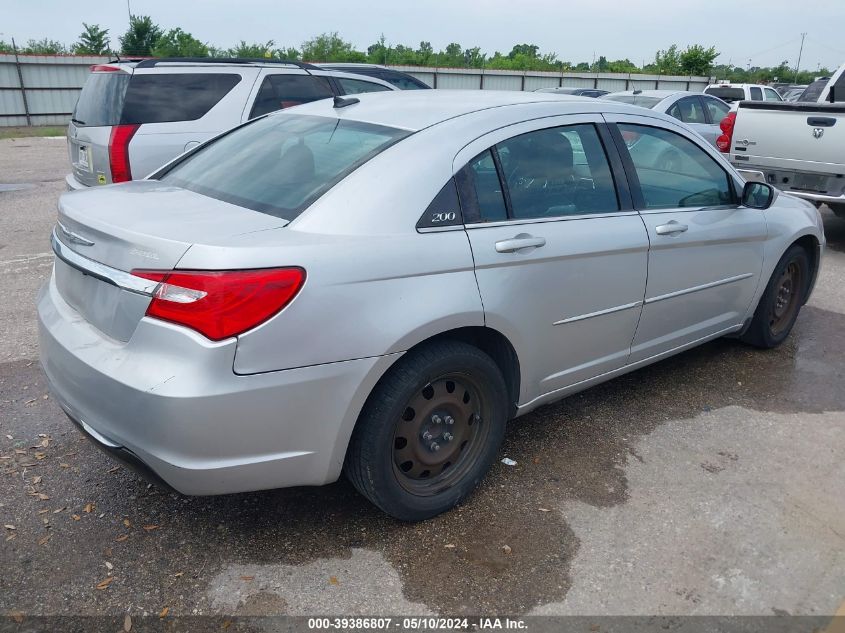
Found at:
[152, 63]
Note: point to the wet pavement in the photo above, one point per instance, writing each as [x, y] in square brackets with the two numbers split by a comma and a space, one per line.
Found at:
[710, 483]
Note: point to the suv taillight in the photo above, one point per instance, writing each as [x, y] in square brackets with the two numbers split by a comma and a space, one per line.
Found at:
[119, 152]
[723, 143]
[221, 303]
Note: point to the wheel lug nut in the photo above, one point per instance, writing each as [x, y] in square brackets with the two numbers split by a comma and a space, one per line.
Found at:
[435, 419]
[450, 420]
[435, 446]
[476, 417]
[447, 436]
[427, 436]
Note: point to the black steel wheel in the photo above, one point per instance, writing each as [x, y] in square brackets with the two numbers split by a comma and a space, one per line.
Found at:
[782, 300]
[429, 431]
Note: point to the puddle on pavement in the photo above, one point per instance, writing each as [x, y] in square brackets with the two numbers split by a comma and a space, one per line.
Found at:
[15, 187]
[573, 450]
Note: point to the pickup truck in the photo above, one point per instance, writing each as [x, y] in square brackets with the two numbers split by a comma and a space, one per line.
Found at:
[797, 147]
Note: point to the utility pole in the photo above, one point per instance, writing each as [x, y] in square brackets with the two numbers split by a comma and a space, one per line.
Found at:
[800, 50]
[129, 10]
[20, 81]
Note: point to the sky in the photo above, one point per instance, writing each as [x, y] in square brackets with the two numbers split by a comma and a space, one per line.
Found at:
[765, 32]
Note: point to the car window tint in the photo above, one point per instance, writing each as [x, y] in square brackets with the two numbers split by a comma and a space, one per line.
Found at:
[673, 171]
[771, 95]
[688, 110]
[101, 99]
[281, 164]
[283, 91]
[726, 94]
[160, 98]
[839, 89]
[756, 94]
[717, 110]
[357, 86]
[402, 81]
[480, 190]
[557, 172]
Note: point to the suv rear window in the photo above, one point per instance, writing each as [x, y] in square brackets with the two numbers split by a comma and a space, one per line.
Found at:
[101, 99]
[160, 98]
[727, 94]
[281, 164]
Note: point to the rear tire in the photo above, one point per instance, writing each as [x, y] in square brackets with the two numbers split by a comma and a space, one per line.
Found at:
[838, 209]
[782, 300]
[429, 431]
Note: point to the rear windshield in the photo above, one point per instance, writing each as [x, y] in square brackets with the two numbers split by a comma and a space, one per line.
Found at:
[814, 90]
[282, 163]
[727, 94]
[637, 100]
[101, 99]
[160, 98]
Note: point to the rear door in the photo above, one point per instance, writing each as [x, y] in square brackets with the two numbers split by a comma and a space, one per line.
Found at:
[706, 250]
[560, 256]
[97, 111]
[690, 110]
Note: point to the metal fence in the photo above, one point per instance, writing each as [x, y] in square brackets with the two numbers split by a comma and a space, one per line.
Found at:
[43, 89]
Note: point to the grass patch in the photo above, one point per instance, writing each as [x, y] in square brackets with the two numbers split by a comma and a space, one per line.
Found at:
[35, 130]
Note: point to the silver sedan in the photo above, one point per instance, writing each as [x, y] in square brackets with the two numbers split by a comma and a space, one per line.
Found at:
[376, 285]
[701, 112]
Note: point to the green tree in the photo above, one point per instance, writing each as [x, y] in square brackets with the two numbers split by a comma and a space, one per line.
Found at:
[526, 50]
[697, 60]
[178, 43]
[254, 50]
[140, 37]
[425, 53]
[92, 41]
[44, 47]
[330, 47]
[6, 47]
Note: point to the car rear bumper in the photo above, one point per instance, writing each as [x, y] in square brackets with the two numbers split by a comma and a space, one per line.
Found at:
[73, 184]
[774, 177]
[168, 403]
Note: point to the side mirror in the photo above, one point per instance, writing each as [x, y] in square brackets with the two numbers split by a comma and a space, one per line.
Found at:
[757, 195]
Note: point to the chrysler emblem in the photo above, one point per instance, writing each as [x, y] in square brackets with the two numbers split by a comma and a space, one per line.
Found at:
[818, 132]
[73, 238]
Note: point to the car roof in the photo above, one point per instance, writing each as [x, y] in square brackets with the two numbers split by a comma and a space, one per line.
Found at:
[350, 65]
[418, 109]
[729, 85]
[658, 94]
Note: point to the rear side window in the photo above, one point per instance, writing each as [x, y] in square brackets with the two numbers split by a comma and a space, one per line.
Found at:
[357, 86]
[481, 190]
[283, 91]
[726, 94]
[163, 98]
[688, 110]
[716, 109]
[772, 95]
[281, 164]
[101, 99]
[756, 94]
[402, 81]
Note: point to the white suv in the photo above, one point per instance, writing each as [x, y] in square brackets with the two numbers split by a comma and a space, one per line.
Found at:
[133, 117]
[742, 92]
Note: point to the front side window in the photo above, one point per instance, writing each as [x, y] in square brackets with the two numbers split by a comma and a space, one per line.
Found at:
[283, 91]
[357, 86]
[281, 164]
[673, 171]
[163, 98]
[772, 95]
[717, 109]
[688, 110]
[557, 172]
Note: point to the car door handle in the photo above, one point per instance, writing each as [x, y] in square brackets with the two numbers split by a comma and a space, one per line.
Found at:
[671, 228]
[523, 240]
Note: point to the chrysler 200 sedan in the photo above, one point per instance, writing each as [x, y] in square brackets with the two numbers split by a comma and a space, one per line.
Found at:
[375, 285]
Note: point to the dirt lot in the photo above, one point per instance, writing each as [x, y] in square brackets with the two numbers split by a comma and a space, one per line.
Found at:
[711, 483]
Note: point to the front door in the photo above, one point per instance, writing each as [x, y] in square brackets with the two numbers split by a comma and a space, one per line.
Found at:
[706, 250]
[560, 262]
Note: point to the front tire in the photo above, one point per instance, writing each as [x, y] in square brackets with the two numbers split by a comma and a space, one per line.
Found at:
[429, 431]
[782, 300]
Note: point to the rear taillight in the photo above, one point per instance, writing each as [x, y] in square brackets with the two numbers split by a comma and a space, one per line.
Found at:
[119, 152]
[102, 68]
[221, 304]
[723, 143]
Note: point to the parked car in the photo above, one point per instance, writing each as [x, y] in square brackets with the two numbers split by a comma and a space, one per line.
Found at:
[729, 92]
[797, 147]
[794, 94]
[577, 92]
[826, 89]
[133, 117]
[376, 284]
[400, 80]
[702, 113]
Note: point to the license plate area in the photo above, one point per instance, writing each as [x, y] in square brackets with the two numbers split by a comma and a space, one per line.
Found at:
[809, 182]
[83, 158]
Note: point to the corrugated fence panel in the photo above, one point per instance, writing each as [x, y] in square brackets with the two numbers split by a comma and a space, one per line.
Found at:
[11, 102]
[579, 82]
[458, 81]
[428, 78]
[533, 83]
[52, 101]
[502, 82]
[8, 76]
[612, 85]
[645, 84]
[672, 85]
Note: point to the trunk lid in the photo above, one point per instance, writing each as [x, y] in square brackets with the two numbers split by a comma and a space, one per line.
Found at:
[111, 231]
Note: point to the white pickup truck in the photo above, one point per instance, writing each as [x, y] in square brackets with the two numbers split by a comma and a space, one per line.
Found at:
[797, 147]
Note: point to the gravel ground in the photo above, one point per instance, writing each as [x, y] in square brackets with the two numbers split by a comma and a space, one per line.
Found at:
[708, 484]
